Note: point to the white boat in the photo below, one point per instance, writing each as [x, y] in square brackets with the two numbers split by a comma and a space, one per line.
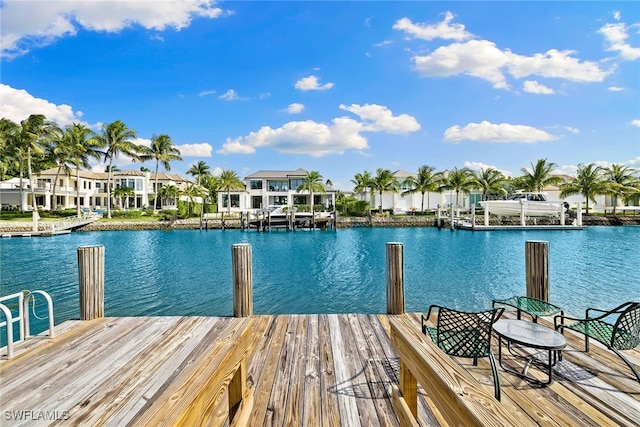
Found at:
[281, 216]
[531, 204]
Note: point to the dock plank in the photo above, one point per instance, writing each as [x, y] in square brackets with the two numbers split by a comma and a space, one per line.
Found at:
[308, 369]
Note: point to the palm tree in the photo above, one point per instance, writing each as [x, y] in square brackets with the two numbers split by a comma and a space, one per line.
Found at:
[312, 182]
[620, 179]
[427, 180]
[12, 158]
[229, 180]
[459, 180]
[83, 145]
[168, 192]
[163, 151]
[362, 183]
[384, 181]
[490, 181]
[123, 193]
[540, 176]
[199, 170]
[589, 182]
[32, 131]
[117, 139]
[192, 192]
[58, 151]
[9, 149]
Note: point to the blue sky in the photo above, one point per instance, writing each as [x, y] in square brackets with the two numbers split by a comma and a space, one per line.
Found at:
[338, 87]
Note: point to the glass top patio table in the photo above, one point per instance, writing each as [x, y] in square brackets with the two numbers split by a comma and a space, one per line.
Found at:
[532, 335]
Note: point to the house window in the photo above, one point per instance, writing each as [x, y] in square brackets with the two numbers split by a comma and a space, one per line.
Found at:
[280, 200]
[278, 186]
[256, 202]
[98, 185]
[138, 185]
[235, 201]
[299, 200]
[255, 184]
[296, 182]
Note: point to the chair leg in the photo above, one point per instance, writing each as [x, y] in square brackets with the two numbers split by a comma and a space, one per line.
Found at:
[629, 364]
[496, 377]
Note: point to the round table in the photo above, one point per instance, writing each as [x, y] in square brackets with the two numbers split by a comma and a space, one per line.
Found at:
[531, 335]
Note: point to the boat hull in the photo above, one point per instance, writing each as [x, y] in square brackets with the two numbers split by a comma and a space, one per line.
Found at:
[530, 208]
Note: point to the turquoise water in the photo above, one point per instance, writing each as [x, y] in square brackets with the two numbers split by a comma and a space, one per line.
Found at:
[188, 272]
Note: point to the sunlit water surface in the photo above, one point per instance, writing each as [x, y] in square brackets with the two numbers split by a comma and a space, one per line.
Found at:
[188, 272]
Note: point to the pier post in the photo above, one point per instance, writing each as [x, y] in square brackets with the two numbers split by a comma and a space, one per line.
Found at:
[579, 214]
[91, 277]
[523, 222]
[395, 278]
[242, 280]
[486, 215]
[438, 218]
[473, 217]
[561, 213]
[452, 216]
[537, 269]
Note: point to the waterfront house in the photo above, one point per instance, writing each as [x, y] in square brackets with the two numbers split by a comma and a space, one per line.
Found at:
[266, 188]
[93, 189]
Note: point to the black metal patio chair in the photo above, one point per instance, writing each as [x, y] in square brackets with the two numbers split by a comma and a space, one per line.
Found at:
[465, 334]
[623, 334]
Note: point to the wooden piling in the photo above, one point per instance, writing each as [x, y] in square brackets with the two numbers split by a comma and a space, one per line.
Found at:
[91, 278]
[242, 280]
[395, 278]
[537, 269]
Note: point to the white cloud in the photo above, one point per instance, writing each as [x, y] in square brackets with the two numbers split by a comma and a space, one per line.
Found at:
[295, 108]
[479, 165]
[378, 118]
[311, 83]
[319, 139]
[496, 133]
[303, 137]
[202, 149]
[18, 104]
[484, 60]
[615, 89]
[236, 146]
[634, 162]
[635, 123]
[554, 64]
[28, 24]
[477, 58]
[230, 95]
[616, 15]
[442, 30]
[532, 86]
[206, 92]
[616, 36]
[573, 130]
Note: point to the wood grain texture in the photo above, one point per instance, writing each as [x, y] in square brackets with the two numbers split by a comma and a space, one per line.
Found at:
[319, 370]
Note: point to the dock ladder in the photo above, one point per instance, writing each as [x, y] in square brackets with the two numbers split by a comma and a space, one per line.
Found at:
[23, 298]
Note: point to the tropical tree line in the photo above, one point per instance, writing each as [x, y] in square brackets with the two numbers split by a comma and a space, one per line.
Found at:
[36, 144]
[621, 182]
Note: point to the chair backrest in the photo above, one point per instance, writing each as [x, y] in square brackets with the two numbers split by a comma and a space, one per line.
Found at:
[465, 334]
[626, 331]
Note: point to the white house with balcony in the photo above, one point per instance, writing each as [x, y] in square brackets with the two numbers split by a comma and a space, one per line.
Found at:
[93, 190]
[266, 188]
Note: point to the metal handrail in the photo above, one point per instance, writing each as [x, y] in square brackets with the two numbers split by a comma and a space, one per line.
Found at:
[23, 316]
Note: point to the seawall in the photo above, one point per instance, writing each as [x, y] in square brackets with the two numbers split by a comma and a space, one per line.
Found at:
[343, 222]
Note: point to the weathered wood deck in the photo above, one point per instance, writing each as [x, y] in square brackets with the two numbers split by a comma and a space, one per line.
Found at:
[307, 370]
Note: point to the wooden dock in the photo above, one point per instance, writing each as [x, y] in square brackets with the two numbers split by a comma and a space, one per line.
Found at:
[320, 370]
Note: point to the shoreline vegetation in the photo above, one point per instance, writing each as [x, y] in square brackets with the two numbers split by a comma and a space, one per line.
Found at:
[343, 222]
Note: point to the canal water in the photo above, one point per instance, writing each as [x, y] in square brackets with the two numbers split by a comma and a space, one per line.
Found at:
[188, 272]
